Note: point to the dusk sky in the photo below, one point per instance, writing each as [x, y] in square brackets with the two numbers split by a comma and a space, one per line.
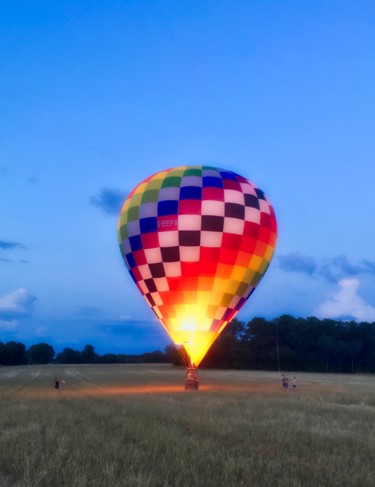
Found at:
[98, 95]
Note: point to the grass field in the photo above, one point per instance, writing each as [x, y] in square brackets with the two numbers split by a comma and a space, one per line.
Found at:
[134, 425]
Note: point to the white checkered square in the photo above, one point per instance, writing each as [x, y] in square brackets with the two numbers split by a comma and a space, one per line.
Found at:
[148, 209]
[145, 272]
[252, 215]
[167, 194]
[172, 269]
[191, 181]
[143, 286]
[157, 299]
[211, 173]
[168, 239]
[220, 313]
[211, 239]
[246, 294]
[234, 301]
[126, 246]
[189, 222]
[213, 208]
[248, 189]
[234, 225]
[153, 256]
[133, 228]
[158, 314]
[264, 207]
[189, 254]
[233, 196]
[161, 284]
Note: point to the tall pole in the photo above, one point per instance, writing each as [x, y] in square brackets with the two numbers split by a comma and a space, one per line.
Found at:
[277, 347]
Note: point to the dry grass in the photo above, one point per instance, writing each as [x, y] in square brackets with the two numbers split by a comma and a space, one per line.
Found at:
[134, 425]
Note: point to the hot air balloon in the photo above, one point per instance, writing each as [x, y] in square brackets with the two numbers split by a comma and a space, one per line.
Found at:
[196, 241]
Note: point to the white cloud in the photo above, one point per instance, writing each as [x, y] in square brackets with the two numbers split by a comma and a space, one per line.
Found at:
[346, 303]
[16, 304]
[8, 324]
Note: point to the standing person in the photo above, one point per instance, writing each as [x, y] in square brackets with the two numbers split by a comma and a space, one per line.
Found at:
[294, 383]
[62, 384]
[57, 384]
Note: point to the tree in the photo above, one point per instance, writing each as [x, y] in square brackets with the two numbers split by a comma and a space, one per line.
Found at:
[42, 353]
[173, 355]
[88, 355]
[2, 353]
[260, 344]
[108, 358]
[326, 349]
[227, 351]
[366, 332]
[354, 349]
[69, 356]
[156, 357]
[15, 353]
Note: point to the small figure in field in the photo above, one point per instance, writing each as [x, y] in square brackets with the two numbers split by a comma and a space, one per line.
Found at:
[62, 384]
[294, 383]
[285, 382]
[57, 383]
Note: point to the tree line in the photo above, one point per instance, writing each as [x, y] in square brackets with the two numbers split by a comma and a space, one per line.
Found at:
[300, 344]
[15, 353]
[283, 343]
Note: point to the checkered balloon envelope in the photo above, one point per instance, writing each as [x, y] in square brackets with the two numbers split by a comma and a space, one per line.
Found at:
[196, 241]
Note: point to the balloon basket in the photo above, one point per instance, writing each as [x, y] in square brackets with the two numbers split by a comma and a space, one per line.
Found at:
[191, 379]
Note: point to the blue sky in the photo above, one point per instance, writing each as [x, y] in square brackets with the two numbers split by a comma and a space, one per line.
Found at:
[97, 95]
